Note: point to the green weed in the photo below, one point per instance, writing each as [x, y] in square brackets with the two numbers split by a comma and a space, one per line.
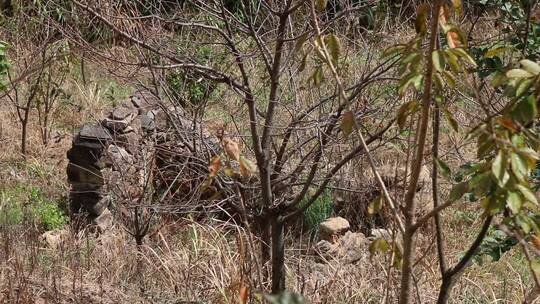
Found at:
[319, 211]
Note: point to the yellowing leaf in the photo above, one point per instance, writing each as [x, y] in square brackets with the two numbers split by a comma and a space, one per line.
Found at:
[498, 168]
[300, 42]
[507, 123]
[458, 7]
[333, 45]
[378, 246]
[514, 201]
[231, 148]
[375, 206]
[518, 73]
[495, 51]
[535, 266]
[438, 60]
[228, 171]
[527, 193]
[404, 111]
[443, 168]
[320, 5]
[318, 76]
[246, 166]
[348, 123]
[535, 240]
[443, 16]
[530, 66]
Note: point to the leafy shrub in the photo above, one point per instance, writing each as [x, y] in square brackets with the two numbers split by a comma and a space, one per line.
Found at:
[11, 213]
[50, 216]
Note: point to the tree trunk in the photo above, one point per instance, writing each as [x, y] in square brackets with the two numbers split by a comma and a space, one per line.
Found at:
[23, 136]
[446, 287]
[265, 242]
[278, 256]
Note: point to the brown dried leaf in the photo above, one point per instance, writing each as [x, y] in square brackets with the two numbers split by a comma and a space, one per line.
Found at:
[231, 148]
[214, 166]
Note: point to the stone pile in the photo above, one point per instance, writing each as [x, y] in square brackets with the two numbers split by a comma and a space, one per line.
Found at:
[140, 142]
[104, 152]
[337, 243]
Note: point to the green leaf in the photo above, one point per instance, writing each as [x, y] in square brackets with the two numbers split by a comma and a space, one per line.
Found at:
[515, 201]
[518, 73]
[527, 193]
[530, 66]
[458, 191]
[481, 184]
[460, 52]
[525, 111]
[453, 61]
[498, 168]
[443, 167]
[523, 86]
[406, 81]
[524, 222]
[493, 204]
[438, 60]
[519, 166]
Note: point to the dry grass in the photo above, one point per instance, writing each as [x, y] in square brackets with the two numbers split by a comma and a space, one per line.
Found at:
[207, 261]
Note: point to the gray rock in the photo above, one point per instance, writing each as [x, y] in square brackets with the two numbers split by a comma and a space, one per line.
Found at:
[118, 126]
[353, 246]
[87, 175]
[55, 238]
[147, 123]
[95, 208]
[123, 111]
[93, 131]
[104, 221]
[350, 248]
[160, 119]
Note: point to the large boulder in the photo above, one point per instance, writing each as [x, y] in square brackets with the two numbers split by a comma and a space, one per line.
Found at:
[332, 228]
